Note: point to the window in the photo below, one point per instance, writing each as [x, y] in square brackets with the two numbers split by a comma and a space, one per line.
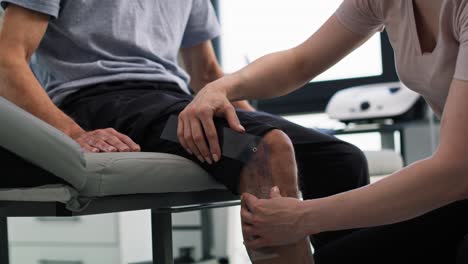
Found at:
[251, 29]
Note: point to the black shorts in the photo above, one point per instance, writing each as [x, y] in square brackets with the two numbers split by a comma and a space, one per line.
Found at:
[141, 110]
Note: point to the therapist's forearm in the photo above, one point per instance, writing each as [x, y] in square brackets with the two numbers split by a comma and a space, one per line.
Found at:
[271, 76]
[411, 192]
[282, 72]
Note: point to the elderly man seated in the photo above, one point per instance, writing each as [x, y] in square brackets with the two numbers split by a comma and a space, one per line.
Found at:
[106, 74]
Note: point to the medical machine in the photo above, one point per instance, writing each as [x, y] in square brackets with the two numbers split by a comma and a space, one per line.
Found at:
[370, 103]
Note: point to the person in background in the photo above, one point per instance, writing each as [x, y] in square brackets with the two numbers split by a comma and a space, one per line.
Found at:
[420, 213]
[106, 74]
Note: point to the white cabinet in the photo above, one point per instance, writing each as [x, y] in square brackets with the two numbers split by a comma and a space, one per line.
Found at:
[64, 255]
[101, 229]
[73, 240]
[101, 239]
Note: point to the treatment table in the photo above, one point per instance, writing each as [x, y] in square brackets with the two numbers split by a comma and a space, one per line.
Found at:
[100, 183]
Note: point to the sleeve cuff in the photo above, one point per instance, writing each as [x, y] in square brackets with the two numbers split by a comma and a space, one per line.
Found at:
[200, 37]
[46, 7]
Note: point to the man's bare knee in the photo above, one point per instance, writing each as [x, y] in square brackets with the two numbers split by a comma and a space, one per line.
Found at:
[273, 164]
[283, 160]
[278, 142]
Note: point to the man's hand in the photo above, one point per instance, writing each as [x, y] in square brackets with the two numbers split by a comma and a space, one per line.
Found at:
[105, 140]
[196, 125]
[271, 222]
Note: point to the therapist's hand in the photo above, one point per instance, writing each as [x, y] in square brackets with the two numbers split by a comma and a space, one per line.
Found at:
[196, 130]
[272, 222]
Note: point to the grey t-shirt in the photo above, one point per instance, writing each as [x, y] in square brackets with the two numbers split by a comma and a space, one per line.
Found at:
[96, 41]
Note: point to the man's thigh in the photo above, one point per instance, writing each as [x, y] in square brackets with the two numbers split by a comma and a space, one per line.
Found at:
[142, 113]
[254, 122]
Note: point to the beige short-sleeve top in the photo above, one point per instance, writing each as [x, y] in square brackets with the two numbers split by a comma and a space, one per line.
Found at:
[429, 74]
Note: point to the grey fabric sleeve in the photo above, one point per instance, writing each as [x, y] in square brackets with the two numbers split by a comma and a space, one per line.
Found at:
[41, 144]
[47, 7]
[203, 24]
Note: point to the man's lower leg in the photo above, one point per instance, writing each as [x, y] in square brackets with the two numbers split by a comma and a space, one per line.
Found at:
[274, 165]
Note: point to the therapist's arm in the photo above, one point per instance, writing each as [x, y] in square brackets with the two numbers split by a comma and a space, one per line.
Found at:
[20, 35]
[270, 76]
[415, 190]
[280, 73]
[411, 192]
[203, 67]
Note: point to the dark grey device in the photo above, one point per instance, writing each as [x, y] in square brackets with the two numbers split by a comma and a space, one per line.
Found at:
[234, 145]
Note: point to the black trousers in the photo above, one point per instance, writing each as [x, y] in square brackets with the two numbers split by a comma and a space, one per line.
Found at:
[140, 110]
